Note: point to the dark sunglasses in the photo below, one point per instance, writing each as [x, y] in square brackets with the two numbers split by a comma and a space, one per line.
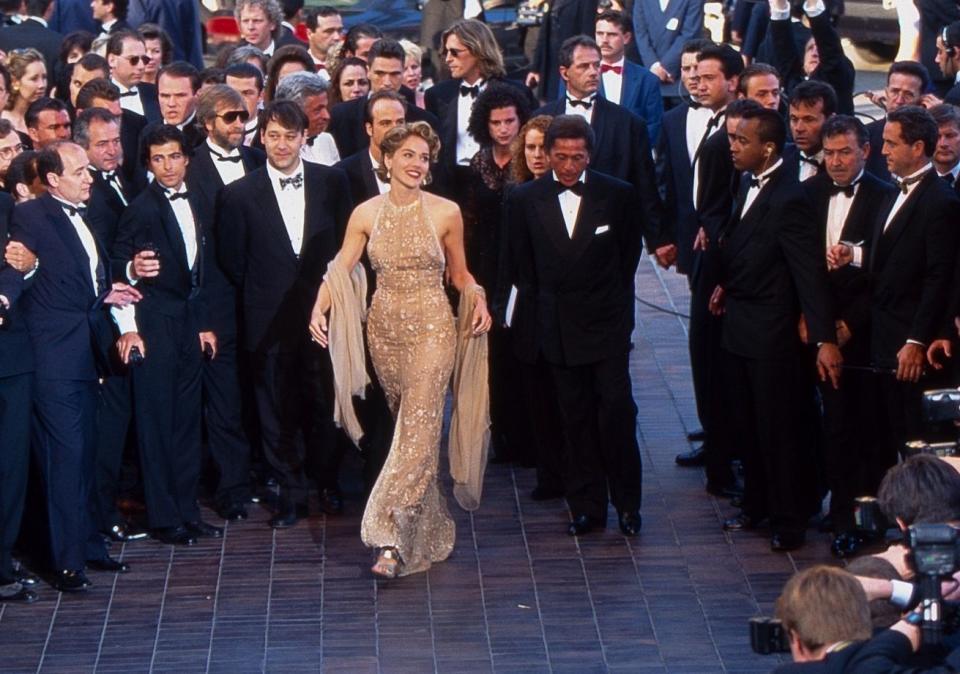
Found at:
[233, 115]
[455, 53]
[143, 59]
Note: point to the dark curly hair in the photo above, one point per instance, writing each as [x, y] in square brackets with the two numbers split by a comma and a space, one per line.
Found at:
[494, 97]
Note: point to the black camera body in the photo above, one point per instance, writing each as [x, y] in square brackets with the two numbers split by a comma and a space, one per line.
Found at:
[767, 636]
[934, 549]
[135, 357]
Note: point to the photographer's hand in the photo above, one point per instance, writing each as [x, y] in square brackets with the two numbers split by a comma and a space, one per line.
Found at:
[910, 359]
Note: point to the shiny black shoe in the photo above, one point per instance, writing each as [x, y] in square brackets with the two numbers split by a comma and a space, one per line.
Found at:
[331, 502]
[741, 522]
[288, 515]
[233, 512]
[584, 524]
[108, 564]
[785, 541]
[201, 529]
[545, 493]
[15, 592]
[630, 523]
[694, 458]
[72, 581]
[697, 435]
[124, 533]
[174, 536]
[25, 578]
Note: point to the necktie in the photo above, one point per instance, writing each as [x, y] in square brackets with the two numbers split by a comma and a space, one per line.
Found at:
[586, 105]
[606, 67]
[222, 157]
[76, 210]
[469, 91]
[849, 190]
[296, 182]
[177, 195]
[576, 188]
[905, 183]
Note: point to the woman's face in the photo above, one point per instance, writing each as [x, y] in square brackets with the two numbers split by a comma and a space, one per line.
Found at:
[534, 154]
[33, 85]
[410, 164]
[353, 83]
[412, 72]
[154, 49]
[503, 126]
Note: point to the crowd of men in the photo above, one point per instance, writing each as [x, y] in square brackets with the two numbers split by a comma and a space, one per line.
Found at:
[167, 239]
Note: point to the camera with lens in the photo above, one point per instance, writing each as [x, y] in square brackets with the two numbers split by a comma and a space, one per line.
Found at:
[767, 636]
[934, 555]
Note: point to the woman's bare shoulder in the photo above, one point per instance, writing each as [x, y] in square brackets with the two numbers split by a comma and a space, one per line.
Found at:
[368, 209]
[440, 207]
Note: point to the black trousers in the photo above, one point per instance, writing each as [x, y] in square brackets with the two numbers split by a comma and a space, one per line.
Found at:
[900, 419]
[294, 391]
[114, 415]
[64, 435]
[540, 407]
[16, 400]
[599, 420]
[166, 389]
[511, 428]
[766, 406]
[223, 418]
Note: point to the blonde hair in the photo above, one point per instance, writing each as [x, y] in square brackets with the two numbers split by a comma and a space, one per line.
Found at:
[518, 165]
[412, 50]
[17, 62]
[823, 605]
[398, 135]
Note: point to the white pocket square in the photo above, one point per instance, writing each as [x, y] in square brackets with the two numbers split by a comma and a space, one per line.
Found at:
[601, 229]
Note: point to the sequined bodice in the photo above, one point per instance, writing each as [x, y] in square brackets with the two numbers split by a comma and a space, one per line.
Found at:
[404, 250]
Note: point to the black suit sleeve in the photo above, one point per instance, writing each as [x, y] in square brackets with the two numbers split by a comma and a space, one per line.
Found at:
[835, 68]
[664, 173]
[940, 248]
[643, 177]
[231, 235]
[127, 242]
[786, 59]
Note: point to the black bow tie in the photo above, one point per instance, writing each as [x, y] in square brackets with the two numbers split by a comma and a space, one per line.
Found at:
[694, 105]
[576, 188]
[715, 121]
[848, 190]
[810, 160]
[472, 92]
[905, 183]
[75, 210]
[132, 92]
[586, 105]
[177, 195]
[296, 182]
[949, 179]
[756, 182]
[237, 158]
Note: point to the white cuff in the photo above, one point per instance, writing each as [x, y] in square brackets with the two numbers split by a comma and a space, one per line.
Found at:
[36, 266]
[913, 341]
[779, 14]
[655, 65]
[815, 10]
[125, 318]
[901, 593]
[857, 256]
[129, 273]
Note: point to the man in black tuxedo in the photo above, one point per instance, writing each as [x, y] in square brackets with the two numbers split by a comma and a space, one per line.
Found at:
[33, 32]
[473, 57]
[907, 82]
[160, 247]
[811, 104]
[63, 311]
[97, 131]
[822, 59]
[261, 25]
[177, 87]
[16, 402]
[278, 228]
[101, 93]
[127, 56]
[384, 111]
[221, 160]
[846, 203]
[347, 125]
[910, 258]
[773, 266]
[574, 250]
[47, 121]
[946, 157]
[111, 15]
[622, 147]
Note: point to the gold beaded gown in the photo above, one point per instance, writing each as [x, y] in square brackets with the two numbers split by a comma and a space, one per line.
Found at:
[412, 341]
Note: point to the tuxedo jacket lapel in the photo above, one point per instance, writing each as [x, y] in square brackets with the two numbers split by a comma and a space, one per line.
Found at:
[758, 209]
[171, 228]
[369, 180]
[66, 232]
[272, 217]
[583, 231]
[550, 217]
[887, 237]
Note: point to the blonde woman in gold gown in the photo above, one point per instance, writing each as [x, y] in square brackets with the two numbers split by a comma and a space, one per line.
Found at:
[413, 239]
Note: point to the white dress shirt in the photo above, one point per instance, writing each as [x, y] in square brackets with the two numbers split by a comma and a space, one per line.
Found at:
[902, 198]
[228, 170]
[585, 112]
[953, 173]
[837, 211]
[697, 120]
[808, 169]
[754, 190]
[613, 83]
[130, 101]
[292, 203]
[113, 180]
[472, 9]
[188, 226]
[105, 28]
[270, 47]
[322, 150]
[467, 146]
[250, 130]
[569, 206]
[382, 186]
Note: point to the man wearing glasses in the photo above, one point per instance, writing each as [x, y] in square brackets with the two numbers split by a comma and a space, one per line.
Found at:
[127, 56]
[10, 147]
[219, 161]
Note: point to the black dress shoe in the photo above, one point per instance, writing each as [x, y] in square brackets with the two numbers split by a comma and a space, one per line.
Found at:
[697, 435]
[288, 515]
[108, 564]
[331, 502]
[201, 529]
[545, 493]
[584, 524]
[232, 512]
[785, 541]
[630, 523]
[692, 459]
[72, 581]
[25, 578]
[15, 592]
[174, 536]
[741, 522]
[123, 533]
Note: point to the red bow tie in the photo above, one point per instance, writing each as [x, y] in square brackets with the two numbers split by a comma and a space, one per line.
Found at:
[604, 67]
